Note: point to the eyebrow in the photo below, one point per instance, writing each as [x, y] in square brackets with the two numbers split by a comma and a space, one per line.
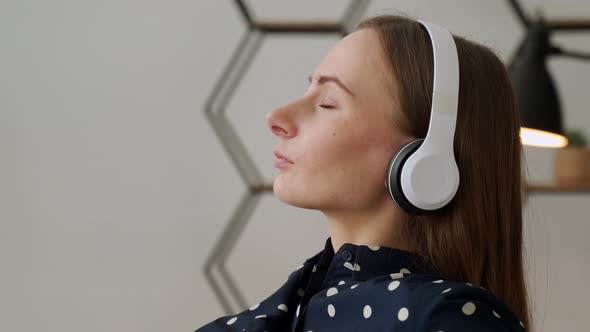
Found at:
[326, 78]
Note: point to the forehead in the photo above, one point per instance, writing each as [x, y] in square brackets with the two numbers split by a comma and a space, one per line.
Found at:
[357, 60]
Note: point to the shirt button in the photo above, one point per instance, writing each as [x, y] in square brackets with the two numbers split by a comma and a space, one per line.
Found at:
[347, 255]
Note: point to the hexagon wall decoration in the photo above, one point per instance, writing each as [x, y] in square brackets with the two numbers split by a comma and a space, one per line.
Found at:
[215, 111]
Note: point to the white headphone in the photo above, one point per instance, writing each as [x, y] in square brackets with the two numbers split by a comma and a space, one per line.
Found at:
[423, 176]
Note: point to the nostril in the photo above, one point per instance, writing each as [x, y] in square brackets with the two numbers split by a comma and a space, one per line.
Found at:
[278, 130]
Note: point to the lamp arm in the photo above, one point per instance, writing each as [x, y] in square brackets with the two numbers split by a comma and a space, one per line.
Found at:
[572, 54]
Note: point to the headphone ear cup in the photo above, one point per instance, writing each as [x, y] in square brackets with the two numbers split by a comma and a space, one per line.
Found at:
[393, 177]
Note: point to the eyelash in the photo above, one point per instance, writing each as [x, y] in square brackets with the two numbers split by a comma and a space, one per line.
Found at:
[327, 106]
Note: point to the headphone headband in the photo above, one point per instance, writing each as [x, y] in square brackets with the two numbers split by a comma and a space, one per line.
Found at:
[445, 88]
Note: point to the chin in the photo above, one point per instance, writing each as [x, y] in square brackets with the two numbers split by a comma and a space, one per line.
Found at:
[289, 194]
[283, 191]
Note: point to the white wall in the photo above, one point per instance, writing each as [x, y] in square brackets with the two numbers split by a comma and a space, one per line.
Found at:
[113, 187]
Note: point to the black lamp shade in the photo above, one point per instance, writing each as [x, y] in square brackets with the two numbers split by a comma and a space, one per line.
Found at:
[536, 95]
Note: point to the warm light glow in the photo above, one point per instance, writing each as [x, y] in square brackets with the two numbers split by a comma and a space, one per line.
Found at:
[540, 138]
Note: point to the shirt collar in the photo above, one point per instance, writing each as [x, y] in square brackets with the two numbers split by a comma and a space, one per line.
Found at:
[363, 262]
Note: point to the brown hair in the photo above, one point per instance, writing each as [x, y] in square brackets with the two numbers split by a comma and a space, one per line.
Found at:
[477, 238]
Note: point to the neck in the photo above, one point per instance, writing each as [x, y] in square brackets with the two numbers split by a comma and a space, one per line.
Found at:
[378, 225]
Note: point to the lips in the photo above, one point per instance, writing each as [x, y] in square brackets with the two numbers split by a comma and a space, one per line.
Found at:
[282, 157]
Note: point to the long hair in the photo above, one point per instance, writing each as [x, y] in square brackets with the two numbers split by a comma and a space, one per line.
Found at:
[477, 238]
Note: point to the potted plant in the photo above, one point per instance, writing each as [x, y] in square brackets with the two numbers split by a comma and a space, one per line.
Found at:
[572, 162]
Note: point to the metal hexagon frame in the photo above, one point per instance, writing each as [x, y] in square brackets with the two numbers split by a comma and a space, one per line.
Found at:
[215, 111]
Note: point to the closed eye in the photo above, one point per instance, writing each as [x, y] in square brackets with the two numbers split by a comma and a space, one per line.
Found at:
[327, 106]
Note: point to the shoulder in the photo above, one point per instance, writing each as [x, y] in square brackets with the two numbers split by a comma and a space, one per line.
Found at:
[424, 302]
[447, 305]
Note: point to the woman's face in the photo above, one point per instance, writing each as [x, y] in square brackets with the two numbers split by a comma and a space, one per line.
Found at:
[340, 139]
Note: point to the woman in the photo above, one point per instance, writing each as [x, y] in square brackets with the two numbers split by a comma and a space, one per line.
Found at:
[382, 268]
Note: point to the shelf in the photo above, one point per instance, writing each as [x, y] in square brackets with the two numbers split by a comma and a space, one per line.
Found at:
[531, 188]
[263, 187]
[557, 188]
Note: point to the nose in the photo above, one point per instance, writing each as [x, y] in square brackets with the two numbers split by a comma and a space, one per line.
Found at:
[280, 122]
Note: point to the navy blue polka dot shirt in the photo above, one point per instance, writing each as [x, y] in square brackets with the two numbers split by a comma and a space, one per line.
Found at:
[371, 288]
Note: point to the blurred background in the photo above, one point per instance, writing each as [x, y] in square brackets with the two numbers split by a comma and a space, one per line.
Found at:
[114, 187]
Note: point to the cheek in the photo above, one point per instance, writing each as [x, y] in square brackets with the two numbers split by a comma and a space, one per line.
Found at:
[372, 134]
[330, 148]
[353, 149]
[372, 149]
